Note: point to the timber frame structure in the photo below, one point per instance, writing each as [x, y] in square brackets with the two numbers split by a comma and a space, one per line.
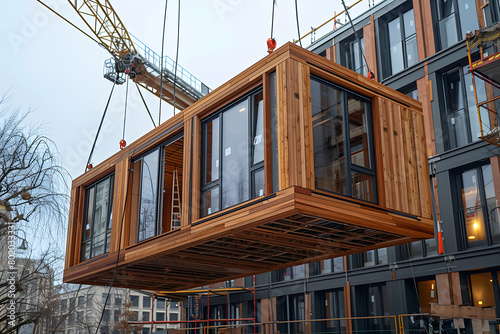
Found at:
[291, 221]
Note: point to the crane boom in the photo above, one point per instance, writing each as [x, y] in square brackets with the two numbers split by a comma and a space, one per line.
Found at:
[149, 70]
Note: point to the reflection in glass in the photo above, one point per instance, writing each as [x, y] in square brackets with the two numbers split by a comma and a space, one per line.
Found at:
[468, 17]
[382, 256]
[396, 48]
[100, 218]
[328, 137]
[482, 290]
[358, 132]
[362, 186]
[473, 210]
[258, 183]
[235, 185]
[149, 196]
[448, 31]
[258, 131]
[212, 150]
[491, 204]
[457, 127]
[411, 51]
[471, 104]
[210, 201]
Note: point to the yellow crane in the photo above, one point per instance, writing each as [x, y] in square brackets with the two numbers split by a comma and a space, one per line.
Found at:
[132, 57]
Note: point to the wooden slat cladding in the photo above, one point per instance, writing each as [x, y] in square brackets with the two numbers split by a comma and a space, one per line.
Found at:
[295, 225]
[400, 150]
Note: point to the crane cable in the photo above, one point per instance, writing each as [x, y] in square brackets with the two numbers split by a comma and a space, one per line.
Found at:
[89, 165]
[161, 60]
[272, 19]
[356, 35]
[297, 19]
[122, 142]
[145, 105]
[177, 51]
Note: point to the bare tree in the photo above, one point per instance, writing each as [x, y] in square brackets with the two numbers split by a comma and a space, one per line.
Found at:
[33, 203]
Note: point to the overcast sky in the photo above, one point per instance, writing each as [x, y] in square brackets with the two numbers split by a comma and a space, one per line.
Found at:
[53, 69]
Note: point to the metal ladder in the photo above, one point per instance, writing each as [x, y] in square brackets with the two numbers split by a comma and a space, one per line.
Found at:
[176, 203]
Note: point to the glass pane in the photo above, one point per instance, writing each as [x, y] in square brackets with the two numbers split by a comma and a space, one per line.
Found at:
[362, 186]
[431, 247]
[299, 271]
[427, 293]
[369, 258]
[90, 211]
[453, 92]
[258, 183]
[491, 202]
[274, 131]
[212, 150]
[411, 51]
[210, 201]
[473, 211]
[471, 104]
[326, 266]
[258, 128]
[235, 173]
[338, 264]
[446, 7]
[415, 249]
[328, 137]
[358, 132]
[468, 16]
[100, 218]
[457, 126]
[396, 48]
[382, 256]
[409, 22]
[413, 94]
[482, 290]
[86, 250]
[149, 195]
[448, 31]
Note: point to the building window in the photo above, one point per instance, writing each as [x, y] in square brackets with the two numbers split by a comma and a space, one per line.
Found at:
[461, 111]
[342, 123]
[174, 305]
[64, 305]
[479, 211]
[398, 41]
[160, 173]
[491, 11]
[289, 273]
[117, 315]
[173, 316]
[353, 57]
[145, 316]
[229, 284]
[427, 293]
[455, 18]
[233, 155]
[482, 291]
[146, 301]
[89, 300]
[134, 300]
[81, 301]
[160, 316]
[97, 218]
[160, 303]
[334, 265]
[118, 301]
[330, 305]
[417, 249]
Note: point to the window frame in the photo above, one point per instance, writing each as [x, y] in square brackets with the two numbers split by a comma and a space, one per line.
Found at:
[489, 241]
[458, 24]
[348, 55]
[253, 168]
[351, 168]
[384, 39]
[160, 151]
[107, 238]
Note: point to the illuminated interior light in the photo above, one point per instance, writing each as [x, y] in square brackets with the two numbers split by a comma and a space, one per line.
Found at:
[432, 286]
[475, 226]
[480, 302]
[243, 109]
[472, 237]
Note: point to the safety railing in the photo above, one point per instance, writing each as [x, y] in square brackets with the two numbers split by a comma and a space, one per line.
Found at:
[376, 325]
[154, 60]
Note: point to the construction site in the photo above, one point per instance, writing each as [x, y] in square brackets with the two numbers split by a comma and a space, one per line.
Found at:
[350, 186]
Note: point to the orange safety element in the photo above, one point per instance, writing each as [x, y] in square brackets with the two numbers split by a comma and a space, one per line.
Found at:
[123, 143]
[271, 45]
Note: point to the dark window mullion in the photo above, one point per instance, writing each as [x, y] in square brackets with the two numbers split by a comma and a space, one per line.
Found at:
[403, 39]
[221, 154]
[361, 169]
[160, 182]
[94, 189]
[465, 103]
[250, 138]
[347, 145]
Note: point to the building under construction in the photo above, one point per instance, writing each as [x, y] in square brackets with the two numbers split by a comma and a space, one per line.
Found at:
[303, 197]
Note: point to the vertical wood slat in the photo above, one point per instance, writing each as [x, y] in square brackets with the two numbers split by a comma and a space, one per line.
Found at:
[186, 182]
[370, 49]
[411, 176]
[402, 192]
[133, 209]
[292, 116]
[75, 210]
[379, 150]
[308, 131]
[424, 97]
[268, 152]
[422, 166]
[284, 181]
[119, 199]
[427, 27]
[196, 176]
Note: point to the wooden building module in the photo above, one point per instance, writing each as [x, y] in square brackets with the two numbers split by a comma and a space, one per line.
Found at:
[294, 160]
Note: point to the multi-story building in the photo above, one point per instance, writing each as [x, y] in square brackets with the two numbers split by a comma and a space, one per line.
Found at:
[81, 310]
[416, 47]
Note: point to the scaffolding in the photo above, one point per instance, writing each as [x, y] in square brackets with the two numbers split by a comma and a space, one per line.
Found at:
[487, 68]
[196, 300]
